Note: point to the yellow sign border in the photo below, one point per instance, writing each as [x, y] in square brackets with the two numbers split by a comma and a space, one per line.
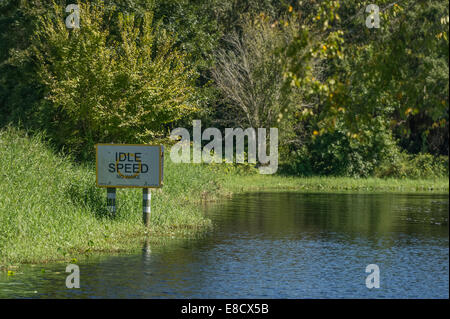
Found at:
[160, 184]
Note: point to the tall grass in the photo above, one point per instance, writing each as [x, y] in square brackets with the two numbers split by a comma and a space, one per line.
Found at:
[51, 209]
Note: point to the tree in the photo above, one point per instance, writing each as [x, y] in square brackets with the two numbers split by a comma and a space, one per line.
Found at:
[249, 72]
[376, 85]
[101, 87]
[399, 71]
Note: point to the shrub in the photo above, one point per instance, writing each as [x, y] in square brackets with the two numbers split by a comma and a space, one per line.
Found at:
[414, 166]
[103, 85]
[341, 152]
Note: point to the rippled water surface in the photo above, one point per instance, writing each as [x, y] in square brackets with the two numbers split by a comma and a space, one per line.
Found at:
[276, 245]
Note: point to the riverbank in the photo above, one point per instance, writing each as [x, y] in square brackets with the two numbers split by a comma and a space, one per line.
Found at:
[50, 208]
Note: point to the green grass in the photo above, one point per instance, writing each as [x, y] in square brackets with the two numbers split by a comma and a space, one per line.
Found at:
[331, 184]
[50, 208]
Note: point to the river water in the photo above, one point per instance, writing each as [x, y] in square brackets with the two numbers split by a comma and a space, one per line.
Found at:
[276, 245]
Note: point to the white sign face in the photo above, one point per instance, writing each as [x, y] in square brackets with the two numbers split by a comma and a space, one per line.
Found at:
[129, 165]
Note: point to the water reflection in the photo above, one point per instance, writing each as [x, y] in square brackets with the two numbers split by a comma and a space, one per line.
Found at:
[277, 245]
[293, 215]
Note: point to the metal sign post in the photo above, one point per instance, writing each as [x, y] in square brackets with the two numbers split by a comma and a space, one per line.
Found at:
[129, 166]
[111, 200]
[146, 205]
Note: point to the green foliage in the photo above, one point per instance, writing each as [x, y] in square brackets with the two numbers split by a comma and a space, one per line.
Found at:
[346, 98]
[400, 71]
[414, 166]
[378, 85]
[19, 88]
[104, 88]
[339, 152]
[193, 23]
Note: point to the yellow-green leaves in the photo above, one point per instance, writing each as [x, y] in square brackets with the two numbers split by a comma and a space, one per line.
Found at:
[119, 78]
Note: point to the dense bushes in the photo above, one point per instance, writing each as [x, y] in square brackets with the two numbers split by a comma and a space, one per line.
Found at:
[348, 100]
[110, 88]
[373, 152]
[398, 165]
[414, 166]
[340, 152]
[379, 89]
